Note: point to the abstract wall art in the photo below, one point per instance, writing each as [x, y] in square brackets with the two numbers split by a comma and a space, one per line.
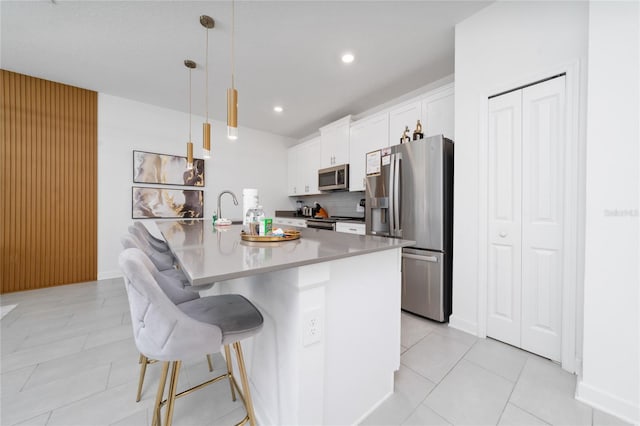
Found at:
[161, 203]
[150, 167]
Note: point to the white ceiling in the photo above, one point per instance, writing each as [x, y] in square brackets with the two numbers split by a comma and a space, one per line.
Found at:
[287, 53]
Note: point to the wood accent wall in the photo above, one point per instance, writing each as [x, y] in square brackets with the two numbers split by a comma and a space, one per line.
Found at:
[49, 181]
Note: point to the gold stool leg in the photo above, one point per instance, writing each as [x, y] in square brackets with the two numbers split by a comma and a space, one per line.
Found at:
[160, 394]
[171, 398]
[143, 369]
[245, 383]
[227, 355]
[210, 362]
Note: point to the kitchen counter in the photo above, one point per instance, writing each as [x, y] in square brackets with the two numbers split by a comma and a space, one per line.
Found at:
[209, 254]
[330, 342]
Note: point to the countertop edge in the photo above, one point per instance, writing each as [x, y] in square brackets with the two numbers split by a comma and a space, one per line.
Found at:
[241, 274]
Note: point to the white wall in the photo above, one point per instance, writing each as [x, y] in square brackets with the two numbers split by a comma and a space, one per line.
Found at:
[611, 374]
[256, 160]
[503, 46]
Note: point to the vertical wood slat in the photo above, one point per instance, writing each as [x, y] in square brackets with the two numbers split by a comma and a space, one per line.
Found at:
[48, 176]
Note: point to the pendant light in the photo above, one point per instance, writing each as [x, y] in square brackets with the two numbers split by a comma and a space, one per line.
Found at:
[232, 93]
[190, 65]
[207, 22]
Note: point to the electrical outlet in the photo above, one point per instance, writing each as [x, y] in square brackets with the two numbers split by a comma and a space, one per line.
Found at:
[312, 326]
[359, 208]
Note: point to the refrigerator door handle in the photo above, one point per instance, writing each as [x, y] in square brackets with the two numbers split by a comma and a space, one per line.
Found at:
[392, 195]
[431, 259]
[396, 192]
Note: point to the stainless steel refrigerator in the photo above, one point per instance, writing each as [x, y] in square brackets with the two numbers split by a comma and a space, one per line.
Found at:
[409, 195]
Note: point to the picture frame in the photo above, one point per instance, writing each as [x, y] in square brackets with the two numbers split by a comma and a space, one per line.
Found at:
[166, 203]
[166, 169]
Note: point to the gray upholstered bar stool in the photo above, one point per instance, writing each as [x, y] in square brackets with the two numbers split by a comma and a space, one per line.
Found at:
[142, 232]
[131, 241]
[163, 260]
[176, 286]
[174, 333]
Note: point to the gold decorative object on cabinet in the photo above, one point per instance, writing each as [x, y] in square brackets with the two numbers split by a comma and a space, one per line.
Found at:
[405, 135]
[417, 133]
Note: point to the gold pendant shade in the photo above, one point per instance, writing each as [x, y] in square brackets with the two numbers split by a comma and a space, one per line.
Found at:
[190, 65]
[232, 113]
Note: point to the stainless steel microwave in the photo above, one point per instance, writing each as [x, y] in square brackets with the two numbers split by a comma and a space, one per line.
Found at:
[334, 178]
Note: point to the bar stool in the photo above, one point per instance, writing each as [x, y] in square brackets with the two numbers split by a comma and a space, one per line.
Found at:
[142, 232]
[177, 292]
[173, 333]
[162, 260]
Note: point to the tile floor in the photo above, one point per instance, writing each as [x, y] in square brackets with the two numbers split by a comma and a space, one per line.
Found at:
[68, 358]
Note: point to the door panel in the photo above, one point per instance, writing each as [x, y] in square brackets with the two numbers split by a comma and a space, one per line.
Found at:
[504, 278]
[542, 211]
[422, 192]
[422, 283]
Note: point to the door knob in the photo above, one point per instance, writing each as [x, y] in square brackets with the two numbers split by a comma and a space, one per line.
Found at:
[503, 234]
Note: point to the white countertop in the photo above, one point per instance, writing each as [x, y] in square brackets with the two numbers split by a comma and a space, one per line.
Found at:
[209, 254]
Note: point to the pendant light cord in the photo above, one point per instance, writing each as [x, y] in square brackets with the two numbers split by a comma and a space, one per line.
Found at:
[206, 82]
[189, 104]
[233, 45]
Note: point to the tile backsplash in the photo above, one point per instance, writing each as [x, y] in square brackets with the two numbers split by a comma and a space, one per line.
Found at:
[335, 203]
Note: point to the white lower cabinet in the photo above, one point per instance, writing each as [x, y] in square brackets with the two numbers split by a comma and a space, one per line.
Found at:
[289, 221]
[350, 228]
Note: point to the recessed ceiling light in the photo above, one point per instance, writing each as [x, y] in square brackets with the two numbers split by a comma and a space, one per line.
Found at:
[347, 58]
[277, 108]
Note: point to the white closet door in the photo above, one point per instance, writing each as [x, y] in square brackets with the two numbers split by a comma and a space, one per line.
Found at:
[505, 272]
[542, 211]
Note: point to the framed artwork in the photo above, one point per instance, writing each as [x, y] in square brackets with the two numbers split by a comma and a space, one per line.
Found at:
[161, 203]
[150, 167]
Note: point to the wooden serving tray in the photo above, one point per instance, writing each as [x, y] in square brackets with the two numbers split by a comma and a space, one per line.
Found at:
[288, 236]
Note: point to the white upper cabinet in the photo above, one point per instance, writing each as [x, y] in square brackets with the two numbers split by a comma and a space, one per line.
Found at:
[405, 115]
[335, 143]
[310, 163]
[293, 178]
[347, 142]
[437, 114]
[367, 135]
[303, 162]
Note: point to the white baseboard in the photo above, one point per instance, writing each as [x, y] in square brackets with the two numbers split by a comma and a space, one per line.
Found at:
[463, 325]
[106, 275]
[611, 404]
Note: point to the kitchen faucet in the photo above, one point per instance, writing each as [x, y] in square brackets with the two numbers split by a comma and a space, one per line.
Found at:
[235, 202]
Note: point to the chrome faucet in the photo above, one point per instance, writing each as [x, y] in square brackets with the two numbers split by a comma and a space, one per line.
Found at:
[235, 202]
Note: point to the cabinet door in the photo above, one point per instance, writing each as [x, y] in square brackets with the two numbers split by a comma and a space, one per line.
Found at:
[350, 228]
[437, 115]
[335, 143]
[292, 171]
[309, 164]
[369, 135]
[401, 117]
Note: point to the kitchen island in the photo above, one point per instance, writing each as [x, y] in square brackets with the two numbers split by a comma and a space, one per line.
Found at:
[331, 303]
